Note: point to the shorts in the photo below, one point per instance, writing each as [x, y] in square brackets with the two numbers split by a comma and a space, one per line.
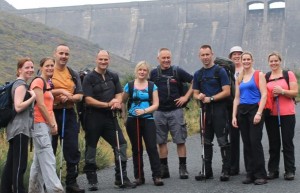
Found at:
[172, 121]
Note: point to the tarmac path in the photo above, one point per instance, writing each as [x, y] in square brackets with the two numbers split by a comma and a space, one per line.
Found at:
[176, 185]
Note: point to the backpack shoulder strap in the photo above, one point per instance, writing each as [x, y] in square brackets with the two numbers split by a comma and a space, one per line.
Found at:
[112, 76]
[150, 90]
[286, 77]
[268, 75]
[45, 84]
[175, 72]
[256, 78]
[130, 88]
[73, 75]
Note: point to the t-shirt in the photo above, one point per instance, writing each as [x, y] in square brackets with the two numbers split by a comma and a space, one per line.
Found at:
[208, 85]
[103, 90]
[166, 101]
[143, 95]
[286, 104]
[48, 100]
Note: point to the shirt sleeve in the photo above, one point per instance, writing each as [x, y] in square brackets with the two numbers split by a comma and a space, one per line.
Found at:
[126, 88]
[37, 83]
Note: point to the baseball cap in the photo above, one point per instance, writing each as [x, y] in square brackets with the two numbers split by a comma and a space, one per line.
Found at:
[235, 49]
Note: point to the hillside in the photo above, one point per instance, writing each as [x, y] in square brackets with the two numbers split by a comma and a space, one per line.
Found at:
[20, 37]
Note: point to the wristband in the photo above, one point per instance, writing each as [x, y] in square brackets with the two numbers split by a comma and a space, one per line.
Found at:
[282, 92]
[145, 111]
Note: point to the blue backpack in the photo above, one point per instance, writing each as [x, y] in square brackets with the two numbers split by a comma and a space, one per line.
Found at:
[7, 111]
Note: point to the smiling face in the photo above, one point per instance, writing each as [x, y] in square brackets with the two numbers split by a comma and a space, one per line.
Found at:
[142, 70]
[236, 58]
[247, 60]
[164, 58]
[25, 69]
[61, 55]
[275, 62]
[47, 67]
[102, 60]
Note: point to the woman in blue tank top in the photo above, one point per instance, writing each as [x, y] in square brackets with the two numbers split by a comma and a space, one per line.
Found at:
[247, 115]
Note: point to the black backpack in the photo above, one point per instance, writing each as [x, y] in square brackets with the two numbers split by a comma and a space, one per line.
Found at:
[137, 100]
[7, 111]
[183, 86]
[229, 67]
[285, 77]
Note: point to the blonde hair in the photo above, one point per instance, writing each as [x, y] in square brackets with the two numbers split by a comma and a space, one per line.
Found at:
[241, 75]
[141, 64]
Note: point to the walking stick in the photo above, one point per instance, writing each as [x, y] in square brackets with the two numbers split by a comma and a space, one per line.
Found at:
[202, 173]
[139, 148]
[62, 140]
[115, 112]
[279, 121]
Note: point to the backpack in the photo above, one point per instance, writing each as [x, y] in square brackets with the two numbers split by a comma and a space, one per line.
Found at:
[7, 111]
[229, 67]
[45, 84]
[183, 87]
[286, 77]
[137, 100]
[270, 99]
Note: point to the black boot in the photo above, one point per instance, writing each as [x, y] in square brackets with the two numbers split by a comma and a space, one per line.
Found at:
[91, 175]
[71, 183]
[122, 177]
[225, 153]
[206, 172]
[183, 173]
[164, 169]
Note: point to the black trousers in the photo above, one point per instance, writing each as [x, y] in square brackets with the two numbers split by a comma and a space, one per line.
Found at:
[252, 136]
[70, 139]
[147, 131]
[102, 124]
[286, 134]
[15, 167]
[234, 138]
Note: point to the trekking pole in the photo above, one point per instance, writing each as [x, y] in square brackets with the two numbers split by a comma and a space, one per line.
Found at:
[115, 112]
[139, 148]
[62, 140]
[202, 174]
[279, 121]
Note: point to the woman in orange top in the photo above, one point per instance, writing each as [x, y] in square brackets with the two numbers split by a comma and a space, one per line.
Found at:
[43, 168]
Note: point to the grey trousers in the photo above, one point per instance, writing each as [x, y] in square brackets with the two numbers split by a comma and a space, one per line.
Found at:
[43, 168]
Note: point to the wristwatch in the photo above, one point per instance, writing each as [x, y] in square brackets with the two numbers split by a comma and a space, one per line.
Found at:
[211, 99]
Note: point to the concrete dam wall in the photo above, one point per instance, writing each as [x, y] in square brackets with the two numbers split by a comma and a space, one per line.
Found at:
[137, 30]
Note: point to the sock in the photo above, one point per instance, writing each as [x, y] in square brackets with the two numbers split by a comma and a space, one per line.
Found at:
[182, 160]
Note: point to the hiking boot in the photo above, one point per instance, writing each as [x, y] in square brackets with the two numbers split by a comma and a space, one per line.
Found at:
[93, 187]
[183, 173]
[201, 176]
[139, 181]
[260, 181]
[74, 188]
[164, 171]
[273, 175]
[289, 176]
[224, 176]
[248, 180]
[158, 181]
[126, 183]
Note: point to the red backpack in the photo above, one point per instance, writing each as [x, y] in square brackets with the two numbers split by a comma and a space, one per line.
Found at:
[270, 99]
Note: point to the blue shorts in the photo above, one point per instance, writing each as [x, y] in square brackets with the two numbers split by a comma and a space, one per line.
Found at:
[172, 121]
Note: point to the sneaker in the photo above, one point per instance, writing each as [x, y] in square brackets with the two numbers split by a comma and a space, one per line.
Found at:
[164, 171]
[74, 188]
[139, 181]
[224, 176]
[158, 181]
[289, 176]
[260, 181]
[126, 183]
[201, 176]
[183, 173]
[273, 175]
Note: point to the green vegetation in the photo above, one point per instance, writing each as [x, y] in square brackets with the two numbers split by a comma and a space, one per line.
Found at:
[20, 37]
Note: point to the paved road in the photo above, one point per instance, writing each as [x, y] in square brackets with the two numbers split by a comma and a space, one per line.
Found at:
[176, 185]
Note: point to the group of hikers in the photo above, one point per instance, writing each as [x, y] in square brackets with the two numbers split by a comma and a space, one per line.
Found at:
[152, 107]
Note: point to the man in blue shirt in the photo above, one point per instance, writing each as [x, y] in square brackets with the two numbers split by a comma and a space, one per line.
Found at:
[211, 87]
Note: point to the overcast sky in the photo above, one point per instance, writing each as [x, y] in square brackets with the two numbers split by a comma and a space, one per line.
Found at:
[28, 4]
